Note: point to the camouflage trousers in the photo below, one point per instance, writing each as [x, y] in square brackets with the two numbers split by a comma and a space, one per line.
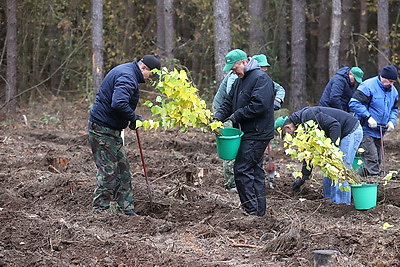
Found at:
[229, 174]
[228, 166]
[113, 178]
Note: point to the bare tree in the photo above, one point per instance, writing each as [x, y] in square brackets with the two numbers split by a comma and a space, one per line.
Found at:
[169, 28]
[222, 36]
[383, 33]
[345, 50]
[322, 48]
[160, 29]
[298, 77]
[283, 41]
[363, 44]
[97, 44]
[335, 37]
[256, 40]
[11, 88]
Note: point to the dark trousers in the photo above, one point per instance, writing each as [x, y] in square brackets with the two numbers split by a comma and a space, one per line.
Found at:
[250, 176]
[372, 155]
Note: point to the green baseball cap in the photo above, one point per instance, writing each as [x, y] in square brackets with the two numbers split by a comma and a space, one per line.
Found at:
[232, 57]
[280, 121]
[358, 74]
[262, 60]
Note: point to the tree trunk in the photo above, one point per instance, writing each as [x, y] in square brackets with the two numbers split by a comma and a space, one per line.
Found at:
[345, 51]
[283, 41]
[298, 77]
[322, 48]
[256, 40]
[362, 42]
[169, 28]
[97, 44]
[160, 29]
[11, 87]
[383, 33]
[222, 36]
[335, 37]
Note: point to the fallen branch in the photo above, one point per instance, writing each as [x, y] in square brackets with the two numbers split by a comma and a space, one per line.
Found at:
[51, 167]
[235, 244]
[165, 175]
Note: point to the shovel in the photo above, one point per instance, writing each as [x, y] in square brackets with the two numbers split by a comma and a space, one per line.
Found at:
[270, 168]
[149, 189]
[381, 129]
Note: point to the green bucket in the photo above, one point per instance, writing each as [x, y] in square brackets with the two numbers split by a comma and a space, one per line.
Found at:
[228, 143]
[357, 163]
[364, 195]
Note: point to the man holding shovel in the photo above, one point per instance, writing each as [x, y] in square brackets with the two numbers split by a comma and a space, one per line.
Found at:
[375, 104]
[113, 110]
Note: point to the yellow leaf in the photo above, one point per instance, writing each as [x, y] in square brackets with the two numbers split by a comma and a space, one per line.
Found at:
[387, 225]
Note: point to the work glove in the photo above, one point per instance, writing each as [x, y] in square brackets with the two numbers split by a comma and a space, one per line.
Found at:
[277, 104]
[372, 122]
[132, 124]
[389, 126]
[231, 118]
[298, 183]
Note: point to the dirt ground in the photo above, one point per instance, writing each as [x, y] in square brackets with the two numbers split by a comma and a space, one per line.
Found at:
[47, 177]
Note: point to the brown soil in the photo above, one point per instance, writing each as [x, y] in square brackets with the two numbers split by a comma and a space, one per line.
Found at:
[47, 179]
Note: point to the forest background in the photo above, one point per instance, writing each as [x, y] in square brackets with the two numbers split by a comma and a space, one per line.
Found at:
[63, 48]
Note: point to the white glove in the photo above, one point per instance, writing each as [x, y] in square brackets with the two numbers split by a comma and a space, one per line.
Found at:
[372, 122]
[390, 126]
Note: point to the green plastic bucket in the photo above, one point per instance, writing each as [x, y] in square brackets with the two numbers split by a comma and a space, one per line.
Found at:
[364, 195]
[357, 163]
[228, 143]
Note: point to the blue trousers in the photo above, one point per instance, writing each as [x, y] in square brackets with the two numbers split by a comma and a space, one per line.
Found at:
[250, 176]
[348, 145]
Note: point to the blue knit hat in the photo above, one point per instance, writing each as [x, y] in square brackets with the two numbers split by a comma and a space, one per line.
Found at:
[389, 72]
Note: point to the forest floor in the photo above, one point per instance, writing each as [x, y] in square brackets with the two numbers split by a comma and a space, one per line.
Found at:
[47, 177]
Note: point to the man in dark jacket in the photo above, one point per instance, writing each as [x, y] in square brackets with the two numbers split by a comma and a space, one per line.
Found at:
[336, 124]
[112, 111]
[250, 107]
[341, 87]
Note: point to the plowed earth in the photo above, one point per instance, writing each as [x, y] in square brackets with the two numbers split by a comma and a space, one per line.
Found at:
[47, 177]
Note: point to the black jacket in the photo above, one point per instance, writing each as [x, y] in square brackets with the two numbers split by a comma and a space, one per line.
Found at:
[335, 123]
[251, 104]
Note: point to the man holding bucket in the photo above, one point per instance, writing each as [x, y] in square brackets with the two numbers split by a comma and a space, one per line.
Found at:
[222, 92]
[250, 107]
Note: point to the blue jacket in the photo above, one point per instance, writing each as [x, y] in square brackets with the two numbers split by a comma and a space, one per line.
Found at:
[117, 97]
[338, 91]
[251, 103]
[372, 98]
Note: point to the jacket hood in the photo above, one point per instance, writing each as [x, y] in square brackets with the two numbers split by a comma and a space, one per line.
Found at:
[344, 72]
[252, 65]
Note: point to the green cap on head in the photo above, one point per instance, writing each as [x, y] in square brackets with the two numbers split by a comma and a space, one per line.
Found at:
[232, 57]
[358, 74]
[262, 60]
[280, 121]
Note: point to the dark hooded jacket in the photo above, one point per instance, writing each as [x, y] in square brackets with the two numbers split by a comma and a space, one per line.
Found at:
[336, 124]
[251, 104]
[338, 91]
[118, 96]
